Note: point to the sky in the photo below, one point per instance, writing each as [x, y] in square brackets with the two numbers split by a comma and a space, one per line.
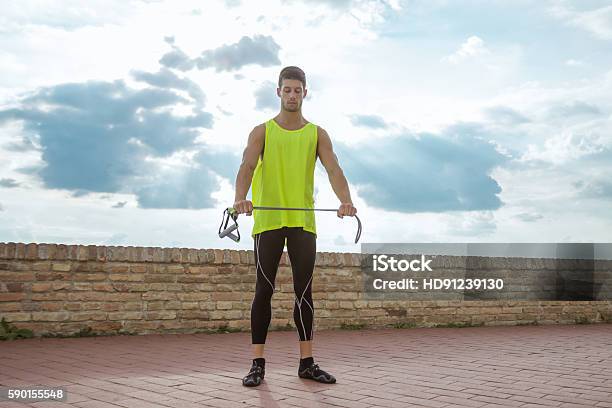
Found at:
[124, 122]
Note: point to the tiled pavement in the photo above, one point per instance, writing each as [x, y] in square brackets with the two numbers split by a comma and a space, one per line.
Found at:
[527, 366]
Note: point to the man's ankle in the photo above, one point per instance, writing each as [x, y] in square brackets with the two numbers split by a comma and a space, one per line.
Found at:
[306, 362]
[260, 362]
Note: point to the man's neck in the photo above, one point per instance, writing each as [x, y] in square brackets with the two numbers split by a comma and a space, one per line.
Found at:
[290, 119]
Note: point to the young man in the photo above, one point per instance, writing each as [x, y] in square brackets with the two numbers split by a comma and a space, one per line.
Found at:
[279, 162]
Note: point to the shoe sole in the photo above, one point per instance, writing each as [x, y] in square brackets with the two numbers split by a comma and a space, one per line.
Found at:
[314, 379]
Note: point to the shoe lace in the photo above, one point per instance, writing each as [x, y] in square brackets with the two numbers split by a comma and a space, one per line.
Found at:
[255, 369]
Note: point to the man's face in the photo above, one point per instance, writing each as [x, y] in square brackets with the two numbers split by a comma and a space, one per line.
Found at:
[292, 94]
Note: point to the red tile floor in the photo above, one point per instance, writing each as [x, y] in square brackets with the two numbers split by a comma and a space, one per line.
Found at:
[526, 366]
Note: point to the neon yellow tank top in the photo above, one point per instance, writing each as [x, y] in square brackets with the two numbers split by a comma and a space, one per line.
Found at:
[285, 178]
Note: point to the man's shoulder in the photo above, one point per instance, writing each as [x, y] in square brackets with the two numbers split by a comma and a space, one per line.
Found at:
[321, 131]
[259, 129]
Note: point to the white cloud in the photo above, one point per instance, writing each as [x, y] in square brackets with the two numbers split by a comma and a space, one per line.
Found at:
[597, 21]
[472, 47]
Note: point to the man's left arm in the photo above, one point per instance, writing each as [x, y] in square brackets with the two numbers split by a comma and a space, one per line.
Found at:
[328, 158]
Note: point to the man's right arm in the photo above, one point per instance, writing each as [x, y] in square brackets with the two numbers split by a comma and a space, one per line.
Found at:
[250, 157]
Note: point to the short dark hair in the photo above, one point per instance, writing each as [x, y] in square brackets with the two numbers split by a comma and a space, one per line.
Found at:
[292, 72]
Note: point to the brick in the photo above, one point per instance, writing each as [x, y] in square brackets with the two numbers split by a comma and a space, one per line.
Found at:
[10, 250]
[17, 316]
[89, 277]
[160, 315]
[17, 276]
[189, 305]
[163, 296]
[84, 316]
[226, 314]
[223, 296]
[31, 251]
[160, 278]
[193, 314]
[51, 306]
[10, 307]
[133, 315]
[61, 267]
[224, 305]
[51, 316]
[103, 287]
[117, 268]
[11, 296]
[20, 250]
[124, 277]
[172, 305]
[14, 287]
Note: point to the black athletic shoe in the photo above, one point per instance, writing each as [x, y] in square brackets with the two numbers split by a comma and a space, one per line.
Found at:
[315, 373]
[255, 376]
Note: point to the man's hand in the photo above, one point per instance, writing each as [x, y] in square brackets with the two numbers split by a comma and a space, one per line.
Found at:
[346, 209]
[243, 206]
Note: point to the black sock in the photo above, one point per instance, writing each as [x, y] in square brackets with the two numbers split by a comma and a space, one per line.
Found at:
[261, 362]
[306, 362]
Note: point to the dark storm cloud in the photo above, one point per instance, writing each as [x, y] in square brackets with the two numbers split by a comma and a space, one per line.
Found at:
[424, 172]
[95, 137]
[259, 50]
[169, 80]
[177, 59]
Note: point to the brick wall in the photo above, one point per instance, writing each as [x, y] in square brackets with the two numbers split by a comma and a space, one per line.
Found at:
[61, 289]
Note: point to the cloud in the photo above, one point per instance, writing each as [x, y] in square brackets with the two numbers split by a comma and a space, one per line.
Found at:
[529, 217]
[102, 136]
[266, 97]
[177, 59]
[597, 188]
[1, 207]
[167, 79]
[370, 121]
[576, 108]
[472, 47]
[424, 172]
[8, 183]
[25, 144]
[70, 15]
[259, 50]
[597, 21]
[120, 204]
[178, 188]
[574, 63]
[473, 224]
[337, 4]
[506, 116]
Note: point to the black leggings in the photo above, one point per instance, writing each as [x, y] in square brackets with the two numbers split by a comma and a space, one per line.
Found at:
[302, 249]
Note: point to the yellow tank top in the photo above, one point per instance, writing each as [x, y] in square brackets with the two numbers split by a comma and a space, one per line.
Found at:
[285, 178]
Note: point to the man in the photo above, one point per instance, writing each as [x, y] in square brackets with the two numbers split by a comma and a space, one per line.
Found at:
[279, 162]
